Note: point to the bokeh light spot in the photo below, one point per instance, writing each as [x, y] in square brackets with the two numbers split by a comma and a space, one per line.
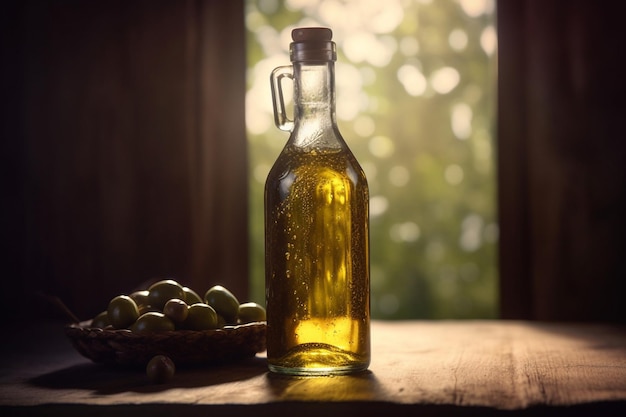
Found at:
[378, 205]
[453, 174]
[461, 120]
[458, 39]
[475, 8]
[445, 80]
[489, 40]
[404, 232]
[381, 146]
[412, 79]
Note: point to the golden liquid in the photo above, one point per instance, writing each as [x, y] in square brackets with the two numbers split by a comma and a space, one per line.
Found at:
[317, 264]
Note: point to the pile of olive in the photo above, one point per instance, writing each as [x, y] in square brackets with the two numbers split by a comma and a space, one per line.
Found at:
[168, 305]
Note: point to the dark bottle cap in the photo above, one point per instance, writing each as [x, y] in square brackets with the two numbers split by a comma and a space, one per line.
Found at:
[312, 45]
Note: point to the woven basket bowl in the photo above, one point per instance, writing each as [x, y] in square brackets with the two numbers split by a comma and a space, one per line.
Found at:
[184, 347]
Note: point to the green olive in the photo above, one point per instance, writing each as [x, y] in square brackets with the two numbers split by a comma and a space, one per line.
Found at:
[176, 310]
[152, 322]
[140, 298]
[191, 297]
[122, 311]
[101, 320]
[200, 317]
[160, 369]
[251, 312]
[163, 291]
[224, 303]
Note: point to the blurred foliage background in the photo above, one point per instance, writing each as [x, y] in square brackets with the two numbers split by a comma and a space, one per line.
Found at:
[416, 95]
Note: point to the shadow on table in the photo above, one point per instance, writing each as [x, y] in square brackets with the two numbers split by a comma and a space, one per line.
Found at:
[108, 380]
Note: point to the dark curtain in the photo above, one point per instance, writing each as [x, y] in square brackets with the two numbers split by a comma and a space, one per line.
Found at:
[123, 151]
[562, 159]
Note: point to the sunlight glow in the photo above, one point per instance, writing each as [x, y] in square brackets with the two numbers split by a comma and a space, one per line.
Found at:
[461, 121]
[471, 232]
[489, 40]
[378, 205]
[385, 16]
[381, 146]
[445, 80]
[414, 93]
[260, 172]
[404, 232]
[259, 111]
[349, 84]
[412, 79]
[458, 39]
[368, 75]
[364, 126]
[409, 46]
[366, 47]
[475, 8]
[370, 169]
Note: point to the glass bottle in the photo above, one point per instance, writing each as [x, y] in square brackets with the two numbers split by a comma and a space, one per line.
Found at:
[316, 226]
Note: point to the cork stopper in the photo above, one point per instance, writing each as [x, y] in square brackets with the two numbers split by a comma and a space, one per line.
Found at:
[312, 44]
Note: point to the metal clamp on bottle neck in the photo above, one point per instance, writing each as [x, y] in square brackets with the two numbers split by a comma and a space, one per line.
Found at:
[312, 45]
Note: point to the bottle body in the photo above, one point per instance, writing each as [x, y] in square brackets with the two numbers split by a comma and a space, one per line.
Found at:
[317, 263]
[316, 227]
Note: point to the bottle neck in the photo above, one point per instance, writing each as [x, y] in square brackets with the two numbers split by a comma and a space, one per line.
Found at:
[314, 106]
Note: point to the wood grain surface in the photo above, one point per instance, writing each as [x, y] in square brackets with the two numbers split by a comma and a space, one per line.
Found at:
[475, 366]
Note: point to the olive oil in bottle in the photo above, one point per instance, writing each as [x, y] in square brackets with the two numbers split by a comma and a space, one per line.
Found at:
[316, 227]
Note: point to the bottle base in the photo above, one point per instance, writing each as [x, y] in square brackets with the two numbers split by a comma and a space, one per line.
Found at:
[317, 371]
[318, 359]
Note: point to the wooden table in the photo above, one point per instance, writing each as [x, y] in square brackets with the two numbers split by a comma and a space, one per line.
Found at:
[418, 368]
